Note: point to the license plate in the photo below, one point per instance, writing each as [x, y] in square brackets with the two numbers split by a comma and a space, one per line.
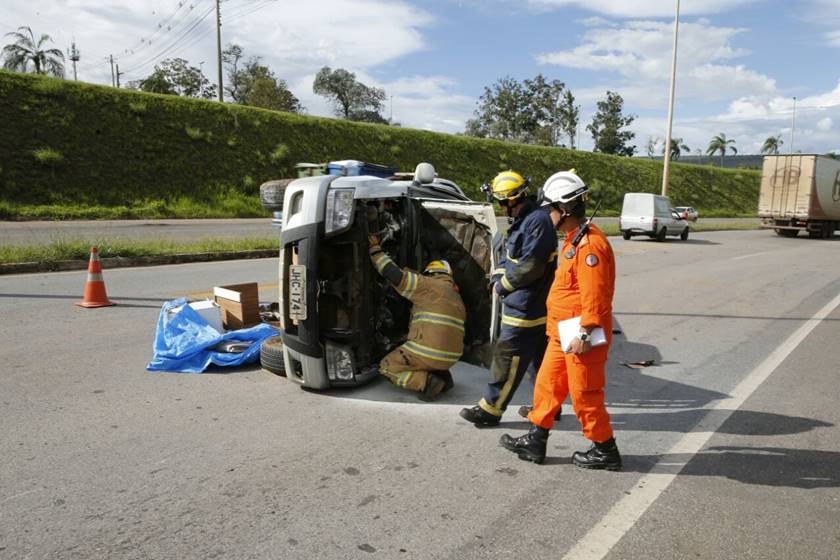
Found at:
[297, 292]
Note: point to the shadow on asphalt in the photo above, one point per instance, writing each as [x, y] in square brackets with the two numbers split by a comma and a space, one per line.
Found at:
[674, 240]
[765, 466]
[119, 300]
[740, 422]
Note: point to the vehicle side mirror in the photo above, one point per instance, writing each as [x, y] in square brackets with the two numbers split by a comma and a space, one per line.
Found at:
[488, 192]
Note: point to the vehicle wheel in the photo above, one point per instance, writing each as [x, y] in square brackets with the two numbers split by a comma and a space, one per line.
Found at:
[662, 233]
[271, 355]
[627, 235]
[684, 234]
[272, 193]
[815, 234]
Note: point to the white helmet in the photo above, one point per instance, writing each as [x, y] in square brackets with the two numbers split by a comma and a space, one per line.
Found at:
[563, 187]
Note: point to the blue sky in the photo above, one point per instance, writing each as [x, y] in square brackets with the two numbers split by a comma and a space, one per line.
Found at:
[741, 61]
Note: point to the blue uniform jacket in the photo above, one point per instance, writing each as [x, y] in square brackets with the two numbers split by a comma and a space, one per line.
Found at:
[525, 269]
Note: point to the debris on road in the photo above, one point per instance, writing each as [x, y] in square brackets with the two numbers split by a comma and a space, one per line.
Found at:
[639, 365]
[186, 342]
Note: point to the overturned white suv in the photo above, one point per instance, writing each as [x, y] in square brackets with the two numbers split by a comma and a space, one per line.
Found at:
[338, 316]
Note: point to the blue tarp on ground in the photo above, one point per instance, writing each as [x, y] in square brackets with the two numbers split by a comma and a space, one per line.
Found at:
[183, 341]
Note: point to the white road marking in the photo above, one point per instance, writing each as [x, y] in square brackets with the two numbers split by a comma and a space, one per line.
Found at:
[749, 256]
[600, 540]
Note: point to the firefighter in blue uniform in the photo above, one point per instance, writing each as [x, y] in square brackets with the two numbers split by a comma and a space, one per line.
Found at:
[522, 278]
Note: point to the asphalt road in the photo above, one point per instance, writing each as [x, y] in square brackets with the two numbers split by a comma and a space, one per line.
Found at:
[731, 441]
[43, 232]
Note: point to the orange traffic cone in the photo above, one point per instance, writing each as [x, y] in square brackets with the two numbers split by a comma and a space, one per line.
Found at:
[95, 295]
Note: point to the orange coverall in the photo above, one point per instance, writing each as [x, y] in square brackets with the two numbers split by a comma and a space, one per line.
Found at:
[583, 286]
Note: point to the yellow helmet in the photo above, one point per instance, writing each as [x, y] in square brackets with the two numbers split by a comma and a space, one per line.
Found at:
[509, 185]
[436, 267]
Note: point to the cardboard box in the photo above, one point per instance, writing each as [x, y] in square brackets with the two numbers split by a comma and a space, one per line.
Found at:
[240, 305]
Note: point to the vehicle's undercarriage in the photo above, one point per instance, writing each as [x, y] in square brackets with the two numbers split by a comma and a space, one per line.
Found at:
[358, 308]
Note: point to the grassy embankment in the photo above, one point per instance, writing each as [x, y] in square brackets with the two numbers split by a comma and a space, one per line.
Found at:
[78, 151]
[79, 249]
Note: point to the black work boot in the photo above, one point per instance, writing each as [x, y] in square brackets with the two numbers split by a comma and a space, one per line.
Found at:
[480, 417]
[525, 410]
[446, 375]
[530, 447]
[434, 387]
[600, 456]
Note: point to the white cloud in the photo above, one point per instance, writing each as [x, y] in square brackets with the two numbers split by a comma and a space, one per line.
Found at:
[750, 120]
[833, 38]
[286, 36]
[645, 8]
[640, 53]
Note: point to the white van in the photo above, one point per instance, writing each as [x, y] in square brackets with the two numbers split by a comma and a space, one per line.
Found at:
[651, 215]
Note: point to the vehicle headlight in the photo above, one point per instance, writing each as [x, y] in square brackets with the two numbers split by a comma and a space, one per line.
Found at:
[339, 363]
[339, 210]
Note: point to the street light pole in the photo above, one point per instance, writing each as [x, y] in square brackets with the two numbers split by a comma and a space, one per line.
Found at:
[667, 160]
[219, 49]
[793, 125]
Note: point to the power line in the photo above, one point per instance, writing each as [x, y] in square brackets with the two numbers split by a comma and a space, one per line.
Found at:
[164, 28]
[172, 45]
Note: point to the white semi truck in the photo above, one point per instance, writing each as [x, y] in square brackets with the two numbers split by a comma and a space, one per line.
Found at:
[800, 192]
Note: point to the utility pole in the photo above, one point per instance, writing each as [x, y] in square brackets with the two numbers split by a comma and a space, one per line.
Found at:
[219, 48]
[793, 125]
[113, 79]
[75, 56]
[667, 169]
[119, 74]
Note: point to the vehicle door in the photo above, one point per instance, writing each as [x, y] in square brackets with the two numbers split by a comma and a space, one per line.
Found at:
[664, 215]
[462, 233]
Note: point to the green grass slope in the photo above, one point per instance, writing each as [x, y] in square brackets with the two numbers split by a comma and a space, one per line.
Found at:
[73, 150]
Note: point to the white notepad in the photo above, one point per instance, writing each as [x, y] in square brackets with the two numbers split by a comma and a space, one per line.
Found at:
[569, 330]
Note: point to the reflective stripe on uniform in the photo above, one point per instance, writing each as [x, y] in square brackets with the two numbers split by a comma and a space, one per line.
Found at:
[498, 271]
[438, 319]
[519, 322]
[431, 353]
[410, 285]
[503, 394]
[381, 262]
[507, 285]
[511, 259]
[404, 378]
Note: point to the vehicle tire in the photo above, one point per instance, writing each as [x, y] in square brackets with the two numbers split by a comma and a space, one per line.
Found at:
[660, 236]
[684, 234]
[271, 355]
[627, 235]
[815, 234]
[272, 193]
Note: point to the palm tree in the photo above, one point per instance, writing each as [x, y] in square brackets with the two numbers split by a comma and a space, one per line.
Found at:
[720, 144]
[771, 145]
[26, 49]
[677, 148]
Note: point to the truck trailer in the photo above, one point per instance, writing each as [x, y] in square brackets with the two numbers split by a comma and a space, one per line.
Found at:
[800, 192]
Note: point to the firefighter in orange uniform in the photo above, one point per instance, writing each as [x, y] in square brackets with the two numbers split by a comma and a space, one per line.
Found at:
[583, 287]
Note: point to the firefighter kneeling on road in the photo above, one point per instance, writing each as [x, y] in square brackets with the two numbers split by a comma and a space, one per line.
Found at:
[583, 287]
[436, 330]
[525, 264]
